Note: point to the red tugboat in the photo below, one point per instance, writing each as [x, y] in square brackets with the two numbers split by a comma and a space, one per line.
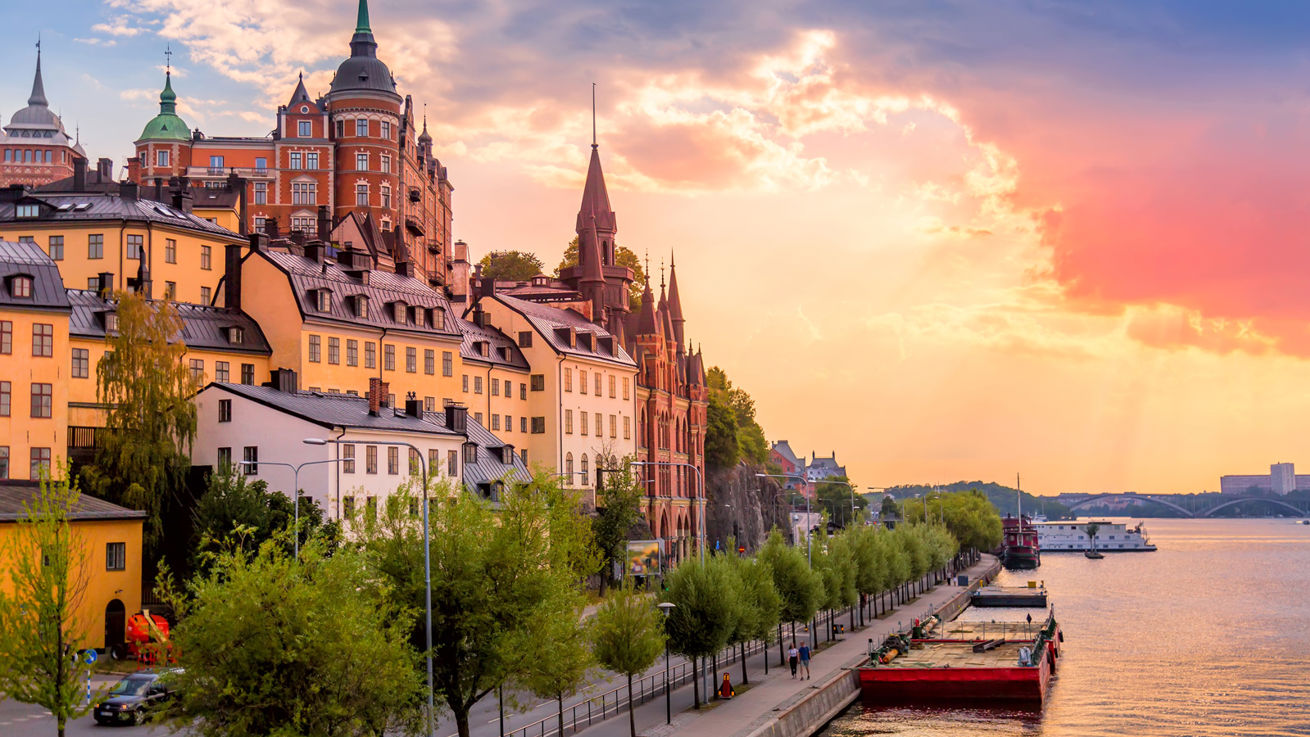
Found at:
[1010, 662]
[1019, 547]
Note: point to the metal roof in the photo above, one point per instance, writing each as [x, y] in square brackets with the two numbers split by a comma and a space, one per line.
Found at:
[500, 349]
[546, 319]
[92, 206]
[202, 326]
[29, 260]
[14, 498]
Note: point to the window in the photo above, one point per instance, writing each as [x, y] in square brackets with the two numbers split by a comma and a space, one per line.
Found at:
[584, 422]
[361, 304]
[352, 352]
[538, 425]
[93, 283]
[429, 361]
[198, 370]
[348, 507]
[477, 384]
[4, 461]
[361, 161]
[43, 340]
[261, 198]
[600, 425]
[370, 355]
[386, 200]
[568, 379]
[389, 357]
[134, 246]
[81, 363]
[361, 127]
[206, 295]
[27, 211]
[225, 410]
[495, 421]
[523, 424]
[40, 462]
[613, 382]
[248, 374]
[370, 459]
[452, 463]
[393, 460]
[334, 351]
[311, 159]
[207, 257]
[222, 372]
[95, 245]
[614, 427]
[447, 363]
[261, 224]
[323, 300]
[538, 382]
[523, 391]
[305, 128]
[584, 471]
[361, 195]
[170, 251]
[525, 339]
[56, 248]
[466, 383]
[304, 193]
[627, 427]
[296, 160]
[347, 458]
[21, 287]
[384, 163]
[4, 398]
[411, 359]
[568, 467]
[477, 417]
[429, 404]
[250, 454]
[495, 387]
[26, 239]
[598, 378]
[42, 399]
[170, 290]
[215, 162]
[582, 381]
[470, 453]
[386, 129]
[568, 422]
[341, 128]
[161, 157]
[314, 348]
[261, 163]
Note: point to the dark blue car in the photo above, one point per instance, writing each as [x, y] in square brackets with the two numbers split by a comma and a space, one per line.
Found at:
[131, 699]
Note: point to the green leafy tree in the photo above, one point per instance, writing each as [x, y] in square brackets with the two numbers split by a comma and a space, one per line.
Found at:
[499, 584]
[624, 257]
[559, 674]
[628, 636]
[751, 442]
[45, 578]
[142, 458]
[618, 508]
[706, 607]
[1092, 529]
[237, 511]
[510, 265]
[272, 646]
[890, 509]
[835, 499]
[870, 566]
[760, 605]
[722, 448]
[969, 516]
[800, 590]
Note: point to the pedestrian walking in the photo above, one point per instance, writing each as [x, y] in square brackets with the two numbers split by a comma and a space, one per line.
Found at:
[793, 657]
[805, 659]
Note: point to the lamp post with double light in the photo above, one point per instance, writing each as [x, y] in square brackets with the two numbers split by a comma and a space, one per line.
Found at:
[667, 607]
[295, 486]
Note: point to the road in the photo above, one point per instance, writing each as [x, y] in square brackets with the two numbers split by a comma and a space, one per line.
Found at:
[22, 720]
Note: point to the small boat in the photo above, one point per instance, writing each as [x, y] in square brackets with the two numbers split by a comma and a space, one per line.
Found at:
[1094, 555]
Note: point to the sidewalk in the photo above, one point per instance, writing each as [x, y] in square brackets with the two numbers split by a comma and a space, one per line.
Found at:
[768, 696]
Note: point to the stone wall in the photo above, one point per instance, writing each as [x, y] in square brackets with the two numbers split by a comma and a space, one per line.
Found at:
[743, 506]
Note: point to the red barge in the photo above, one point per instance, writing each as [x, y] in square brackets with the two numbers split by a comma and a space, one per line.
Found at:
[965, 661]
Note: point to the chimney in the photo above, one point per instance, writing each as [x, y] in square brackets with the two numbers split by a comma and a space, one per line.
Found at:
[298, 237]
[182, 200]
[480, 316]
[79, 174]
[405, 268]
[232, 277]
[284, 380]
[270, 228]
[378, 391]
[127, 191]
[13, 193]
[457, 416]
[105, 168]
[413, 406]
[158, 196]
[105, 285]
[259, 241]
[324, 223]
[314, 250]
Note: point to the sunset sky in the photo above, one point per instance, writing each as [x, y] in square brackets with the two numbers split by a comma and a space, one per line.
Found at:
[946, 240]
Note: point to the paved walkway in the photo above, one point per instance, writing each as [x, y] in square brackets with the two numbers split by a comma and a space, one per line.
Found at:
[758, 703]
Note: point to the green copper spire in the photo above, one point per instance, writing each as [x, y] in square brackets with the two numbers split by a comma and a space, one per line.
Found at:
[166, 125]
[361, 24]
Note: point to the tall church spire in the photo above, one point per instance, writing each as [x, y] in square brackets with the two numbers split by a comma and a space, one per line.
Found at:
[361, 20]
[675, 303]
[38, 86]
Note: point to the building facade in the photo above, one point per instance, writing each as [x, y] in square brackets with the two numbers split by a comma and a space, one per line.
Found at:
[1281, 479]
[36, 148]
[351, 166]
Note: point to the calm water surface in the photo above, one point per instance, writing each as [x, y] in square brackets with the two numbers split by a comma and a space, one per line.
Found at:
[1210, 635]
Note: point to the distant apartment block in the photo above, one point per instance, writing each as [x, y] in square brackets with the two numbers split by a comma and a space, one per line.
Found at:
[1281, 479]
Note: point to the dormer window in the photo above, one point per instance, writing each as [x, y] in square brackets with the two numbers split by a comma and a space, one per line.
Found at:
[470, 453]
[324, 300]
[111, 322]
[438, 317]
[480, 347]
[27, 211]
[420, 316]
[400, 312]
[20, 287]
[361, 306]
[236, 335]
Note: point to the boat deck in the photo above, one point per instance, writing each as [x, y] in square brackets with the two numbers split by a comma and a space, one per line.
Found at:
[972, 631]
[956, 655]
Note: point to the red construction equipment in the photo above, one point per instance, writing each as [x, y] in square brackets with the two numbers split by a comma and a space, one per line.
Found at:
[147, 638]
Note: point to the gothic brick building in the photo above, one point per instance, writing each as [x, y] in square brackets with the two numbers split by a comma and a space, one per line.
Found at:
[352, 162]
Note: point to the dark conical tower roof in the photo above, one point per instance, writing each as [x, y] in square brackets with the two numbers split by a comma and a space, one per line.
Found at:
[38, 86]
[595, 199]
[300, 95]
[363, 71]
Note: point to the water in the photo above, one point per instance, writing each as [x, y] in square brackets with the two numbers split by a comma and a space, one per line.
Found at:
[1210, 635]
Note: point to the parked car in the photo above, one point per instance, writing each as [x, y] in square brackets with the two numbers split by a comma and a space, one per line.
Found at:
[134, 697]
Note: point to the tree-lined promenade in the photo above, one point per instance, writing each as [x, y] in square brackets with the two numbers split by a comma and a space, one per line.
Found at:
[334, 642]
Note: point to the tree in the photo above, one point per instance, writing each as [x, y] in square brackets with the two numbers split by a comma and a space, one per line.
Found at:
[745, 429]
[499, 585]
[275, 646]
[142, 458]
[618, 508]
[969, 516]
[624, 257]
[510, 265]
[627, 635]
[1092, 529]
[40, 626]
[722, 448]
[706, 604]
[232, 503]
[800, 591]
[760, 606]
[890, 509]
[559, 673]
[836, 499]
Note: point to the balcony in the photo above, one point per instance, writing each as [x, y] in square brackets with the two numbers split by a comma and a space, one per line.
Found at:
[247, 172]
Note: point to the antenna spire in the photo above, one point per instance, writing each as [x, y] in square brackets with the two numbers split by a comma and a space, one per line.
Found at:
[168, 63]
[593, 115]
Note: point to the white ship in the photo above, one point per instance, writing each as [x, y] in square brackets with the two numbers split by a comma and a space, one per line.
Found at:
[1111, 537]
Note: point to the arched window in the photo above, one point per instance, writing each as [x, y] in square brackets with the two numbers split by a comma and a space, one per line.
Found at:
[568, 467]
[586, 477]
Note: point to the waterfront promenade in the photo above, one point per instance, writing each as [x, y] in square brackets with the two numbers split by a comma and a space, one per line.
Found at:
[774, 704]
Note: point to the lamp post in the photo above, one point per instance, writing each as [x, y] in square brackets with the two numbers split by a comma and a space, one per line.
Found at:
[295, 484]
[809, 558]
[427, 555]
[700, 489]
[666, 607]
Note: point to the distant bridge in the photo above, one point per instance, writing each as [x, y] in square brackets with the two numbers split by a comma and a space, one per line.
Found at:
[1225, 504]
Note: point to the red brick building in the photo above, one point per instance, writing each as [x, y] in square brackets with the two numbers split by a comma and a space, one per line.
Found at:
[36, 148]
[352, 161]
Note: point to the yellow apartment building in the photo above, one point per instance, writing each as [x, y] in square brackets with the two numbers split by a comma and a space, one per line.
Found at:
[110, 537]
[494, 385]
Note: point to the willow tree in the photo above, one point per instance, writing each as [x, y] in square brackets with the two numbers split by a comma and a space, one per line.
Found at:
[142, 458]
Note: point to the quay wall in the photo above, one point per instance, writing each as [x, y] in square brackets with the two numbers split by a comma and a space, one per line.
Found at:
[807, 713]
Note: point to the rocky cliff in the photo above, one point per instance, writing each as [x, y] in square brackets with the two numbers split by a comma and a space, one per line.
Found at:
[743, 506]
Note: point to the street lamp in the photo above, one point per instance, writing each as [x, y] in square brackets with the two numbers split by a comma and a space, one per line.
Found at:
[700, 488]
[427, 555]
[295, 484]
[666, 607]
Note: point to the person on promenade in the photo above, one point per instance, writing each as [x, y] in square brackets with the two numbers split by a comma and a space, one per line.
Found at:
[792, 658]
[805, 659]
[725, 688]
